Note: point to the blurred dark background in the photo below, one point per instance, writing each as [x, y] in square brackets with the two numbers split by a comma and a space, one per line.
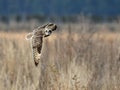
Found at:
[60, 7]
[41, 11]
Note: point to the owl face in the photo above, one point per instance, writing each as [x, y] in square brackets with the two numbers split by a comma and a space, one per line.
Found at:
[48, 32]
[49, 28]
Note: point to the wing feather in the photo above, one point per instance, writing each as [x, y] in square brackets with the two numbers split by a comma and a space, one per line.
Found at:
[36, 48]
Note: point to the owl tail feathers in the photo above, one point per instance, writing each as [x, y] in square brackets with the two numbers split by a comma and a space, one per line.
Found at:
[37, 59]
[36, 64]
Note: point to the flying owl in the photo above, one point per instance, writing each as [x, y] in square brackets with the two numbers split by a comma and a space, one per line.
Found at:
[36, 38]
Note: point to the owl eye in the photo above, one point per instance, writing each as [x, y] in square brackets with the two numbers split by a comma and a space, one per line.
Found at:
[50, 31]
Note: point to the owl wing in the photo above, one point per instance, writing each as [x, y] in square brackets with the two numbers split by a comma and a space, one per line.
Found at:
[36, 48]
[36, 56]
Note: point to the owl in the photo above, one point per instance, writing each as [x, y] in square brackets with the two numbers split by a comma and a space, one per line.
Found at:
[37, 37]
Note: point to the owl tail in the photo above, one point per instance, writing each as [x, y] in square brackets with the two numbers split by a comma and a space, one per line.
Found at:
[36, 56]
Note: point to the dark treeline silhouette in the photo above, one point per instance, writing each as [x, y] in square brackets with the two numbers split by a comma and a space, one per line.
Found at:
[65, 19]
[58, 10]
[60, 7]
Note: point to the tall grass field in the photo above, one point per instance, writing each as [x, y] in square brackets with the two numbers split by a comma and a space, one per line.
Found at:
[70, 61]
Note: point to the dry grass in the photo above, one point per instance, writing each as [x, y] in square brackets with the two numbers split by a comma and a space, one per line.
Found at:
[70, 61]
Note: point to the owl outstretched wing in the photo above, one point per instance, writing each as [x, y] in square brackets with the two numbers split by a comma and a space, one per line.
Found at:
[36, 55]
[36, 45]
[36, 49]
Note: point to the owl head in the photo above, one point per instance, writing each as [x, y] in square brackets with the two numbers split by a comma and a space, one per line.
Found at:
[49, 28]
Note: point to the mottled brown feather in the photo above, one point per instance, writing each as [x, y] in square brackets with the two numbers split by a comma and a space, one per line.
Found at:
[37, 39]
